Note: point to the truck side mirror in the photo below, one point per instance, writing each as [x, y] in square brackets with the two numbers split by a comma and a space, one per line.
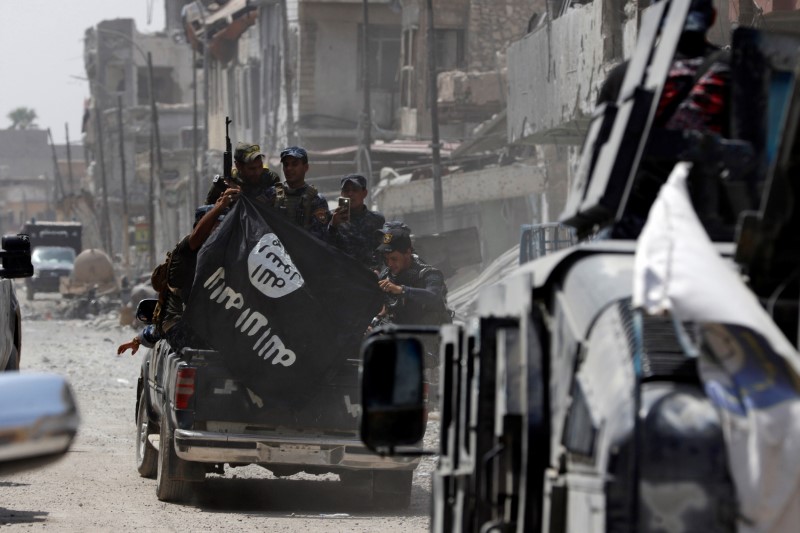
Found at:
[38, 420]
[392, 396]
[145, 310]
[16, 256]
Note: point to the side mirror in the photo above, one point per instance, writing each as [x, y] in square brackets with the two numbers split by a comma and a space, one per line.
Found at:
[392, 390]
[16, 256]
[38, 420]
[145, 310]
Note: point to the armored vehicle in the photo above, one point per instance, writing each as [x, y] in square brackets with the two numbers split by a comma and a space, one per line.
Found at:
[565, 406]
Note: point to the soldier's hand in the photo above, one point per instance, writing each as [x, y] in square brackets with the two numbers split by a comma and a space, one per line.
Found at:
[133, 346]
[228, 197]
[340, 216]
[388, 286]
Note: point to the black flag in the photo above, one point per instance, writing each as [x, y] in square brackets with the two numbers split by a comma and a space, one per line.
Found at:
[282, 306]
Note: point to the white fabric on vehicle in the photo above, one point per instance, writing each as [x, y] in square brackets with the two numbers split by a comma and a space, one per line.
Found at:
[751, 372]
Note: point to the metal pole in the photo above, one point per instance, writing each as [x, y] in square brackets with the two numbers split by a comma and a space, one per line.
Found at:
[69, 162]
[366, 114]
[58, 189]
[288, 80]
[206, 101]
[151, 198]
[155, 147]
[106, 225]
[195, 175]
[206, 93]
[154, 111]
[155, 162]
[125, 222]
[433, 99]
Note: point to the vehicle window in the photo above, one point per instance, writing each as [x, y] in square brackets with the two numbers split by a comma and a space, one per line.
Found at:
[53, 255]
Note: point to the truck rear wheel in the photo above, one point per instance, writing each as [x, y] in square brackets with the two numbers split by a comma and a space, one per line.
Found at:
[146, 454]
[168, 489]
[13, 359]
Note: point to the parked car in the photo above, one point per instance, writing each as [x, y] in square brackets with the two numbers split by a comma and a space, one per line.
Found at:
[55, 246]
[50, 264]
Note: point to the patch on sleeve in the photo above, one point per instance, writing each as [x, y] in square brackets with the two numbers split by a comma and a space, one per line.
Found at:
[321, 215]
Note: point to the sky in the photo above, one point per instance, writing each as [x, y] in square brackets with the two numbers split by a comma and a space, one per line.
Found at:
[41, 54]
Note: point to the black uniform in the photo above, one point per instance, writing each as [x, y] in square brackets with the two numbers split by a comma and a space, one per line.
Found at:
[424, 296]
[304, 206]
[358, 238]
[180, 277]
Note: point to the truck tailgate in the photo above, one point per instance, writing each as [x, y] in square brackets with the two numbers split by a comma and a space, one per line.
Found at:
[223, 400]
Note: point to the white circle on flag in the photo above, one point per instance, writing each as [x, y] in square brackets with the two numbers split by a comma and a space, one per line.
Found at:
[271, 269]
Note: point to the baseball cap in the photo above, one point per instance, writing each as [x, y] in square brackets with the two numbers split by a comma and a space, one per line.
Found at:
[295, 151]
[394, 239]
[246, 152]
[356, 179]
[395, 224]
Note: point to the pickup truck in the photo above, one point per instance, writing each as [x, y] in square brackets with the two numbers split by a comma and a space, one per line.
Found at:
[193, 416]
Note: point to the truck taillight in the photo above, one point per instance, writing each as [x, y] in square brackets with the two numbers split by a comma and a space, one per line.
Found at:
[184, 387]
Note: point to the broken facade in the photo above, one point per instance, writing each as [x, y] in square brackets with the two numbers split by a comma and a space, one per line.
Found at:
[289, 71]
[26, 178]
[556, 71]
[123, 93]
[470, 39]
[516, 80]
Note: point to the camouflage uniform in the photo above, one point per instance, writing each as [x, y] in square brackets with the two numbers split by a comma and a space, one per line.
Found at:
[304, 206]
[267, 180]
[358, 237]
[244, 153]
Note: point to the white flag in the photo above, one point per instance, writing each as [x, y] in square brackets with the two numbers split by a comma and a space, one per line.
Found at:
[750, 371]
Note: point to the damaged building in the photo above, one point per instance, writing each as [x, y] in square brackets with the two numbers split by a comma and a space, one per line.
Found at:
[140, 117]
[26, 178]
[515, 85]
[291, 71]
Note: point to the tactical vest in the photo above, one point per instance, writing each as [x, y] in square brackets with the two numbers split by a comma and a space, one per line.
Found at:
[415, 277]
[292, 204]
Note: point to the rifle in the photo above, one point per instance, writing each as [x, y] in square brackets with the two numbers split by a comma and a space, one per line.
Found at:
[227, 158]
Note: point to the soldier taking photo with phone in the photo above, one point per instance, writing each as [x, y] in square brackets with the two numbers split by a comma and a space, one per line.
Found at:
[353, 227]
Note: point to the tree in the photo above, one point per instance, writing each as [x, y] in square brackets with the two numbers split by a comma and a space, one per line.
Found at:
[22, 118]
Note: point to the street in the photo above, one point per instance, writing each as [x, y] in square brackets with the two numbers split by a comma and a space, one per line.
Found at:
[96, 486]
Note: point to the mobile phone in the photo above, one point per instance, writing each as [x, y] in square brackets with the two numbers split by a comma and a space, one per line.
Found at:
[344, 204]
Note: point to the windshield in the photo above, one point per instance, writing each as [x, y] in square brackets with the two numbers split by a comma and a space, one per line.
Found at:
[53, 256]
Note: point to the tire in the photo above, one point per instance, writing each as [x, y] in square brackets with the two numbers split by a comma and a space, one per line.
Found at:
[169, 490]
[13, 359]
[146, 454]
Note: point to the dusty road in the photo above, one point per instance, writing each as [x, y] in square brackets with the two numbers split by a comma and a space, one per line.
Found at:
[96, 486]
